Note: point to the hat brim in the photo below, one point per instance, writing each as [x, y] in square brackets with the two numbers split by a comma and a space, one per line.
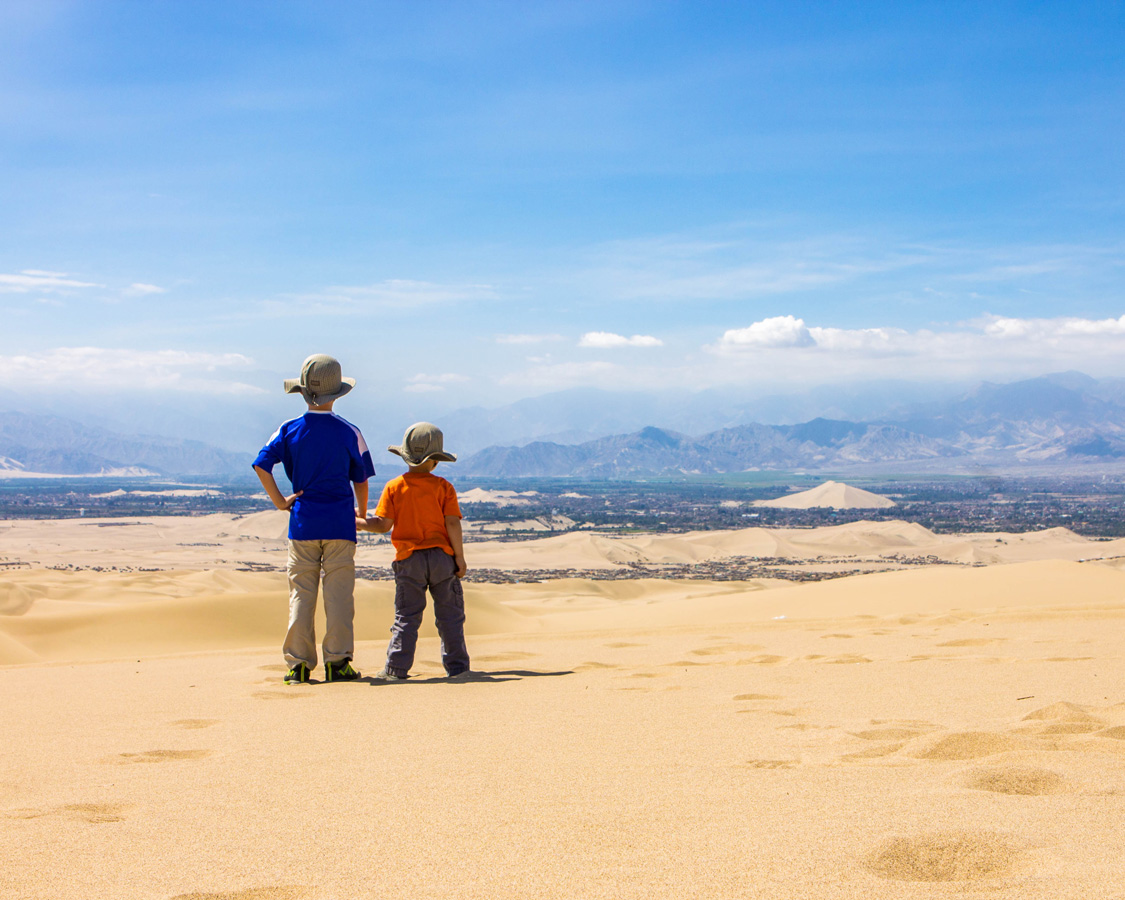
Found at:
[293, 386]
[440, 456]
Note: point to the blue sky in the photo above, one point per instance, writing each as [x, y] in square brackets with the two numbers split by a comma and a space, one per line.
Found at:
[469, 202]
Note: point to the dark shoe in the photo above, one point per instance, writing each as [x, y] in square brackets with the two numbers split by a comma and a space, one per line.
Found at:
[299, 674]
[340, 671]
[390, 675]
[463, 675]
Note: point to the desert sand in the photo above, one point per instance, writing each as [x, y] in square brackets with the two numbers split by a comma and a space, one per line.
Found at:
[832, 494]
[950, 724]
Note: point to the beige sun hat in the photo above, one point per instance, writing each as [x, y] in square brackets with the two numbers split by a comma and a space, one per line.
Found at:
[320, 380]
[422, 441]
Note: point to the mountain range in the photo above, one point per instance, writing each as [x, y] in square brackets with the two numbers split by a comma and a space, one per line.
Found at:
[1054, 420]
[51, 444]
[1067, 419]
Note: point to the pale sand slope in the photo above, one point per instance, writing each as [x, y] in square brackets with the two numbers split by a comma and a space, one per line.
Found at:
[900, 756]
[831, 494]
[934, 732]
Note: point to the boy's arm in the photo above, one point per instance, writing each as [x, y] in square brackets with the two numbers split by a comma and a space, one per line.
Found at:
[453, 529]
[270, 484]
[377, 524]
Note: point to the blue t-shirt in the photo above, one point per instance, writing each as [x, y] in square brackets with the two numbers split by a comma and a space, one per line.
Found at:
[322, 454]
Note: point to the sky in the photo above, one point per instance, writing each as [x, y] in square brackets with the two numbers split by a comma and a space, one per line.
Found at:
[469, 203]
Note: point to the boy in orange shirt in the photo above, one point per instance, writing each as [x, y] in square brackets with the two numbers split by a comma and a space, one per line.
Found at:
[421, 512]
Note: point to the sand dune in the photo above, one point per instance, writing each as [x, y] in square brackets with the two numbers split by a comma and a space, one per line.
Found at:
[832, 495]
[935, 731]
[258, 540]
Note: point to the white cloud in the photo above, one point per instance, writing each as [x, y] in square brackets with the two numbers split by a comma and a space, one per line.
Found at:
[38, 280]
[779, 331]
[1052, 329]
[604, 340]
[992, 346]
[139, 289]
[80, 369]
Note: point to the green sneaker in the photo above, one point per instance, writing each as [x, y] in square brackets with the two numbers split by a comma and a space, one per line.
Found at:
[299, 674]
[340, 671]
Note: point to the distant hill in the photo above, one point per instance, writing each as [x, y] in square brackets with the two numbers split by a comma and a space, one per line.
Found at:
[54, 445]
[1054, 420]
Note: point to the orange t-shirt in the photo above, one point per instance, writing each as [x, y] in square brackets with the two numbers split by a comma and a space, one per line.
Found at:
[418, 502]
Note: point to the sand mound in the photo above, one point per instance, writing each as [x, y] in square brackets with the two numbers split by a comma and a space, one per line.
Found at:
[497, 498]
[1018, 781]
[831, 494]
[952, 856]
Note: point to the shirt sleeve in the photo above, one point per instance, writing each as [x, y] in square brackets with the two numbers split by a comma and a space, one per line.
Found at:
[449, 505]
[386, 507]
[270, 455]
[361, 467]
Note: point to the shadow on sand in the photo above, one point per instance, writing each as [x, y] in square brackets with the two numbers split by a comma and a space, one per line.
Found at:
[474, 677]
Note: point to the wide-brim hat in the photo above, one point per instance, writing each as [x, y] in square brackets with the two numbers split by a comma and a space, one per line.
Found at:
[321, 380]
[422, 441]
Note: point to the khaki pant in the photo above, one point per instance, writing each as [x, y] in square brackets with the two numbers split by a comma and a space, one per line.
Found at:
[309, 562]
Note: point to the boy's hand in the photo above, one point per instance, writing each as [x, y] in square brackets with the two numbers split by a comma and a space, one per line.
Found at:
[461, 567]
[287, 502]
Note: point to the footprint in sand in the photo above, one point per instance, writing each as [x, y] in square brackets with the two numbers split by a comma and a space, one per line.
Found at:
[726, 647]
[741, 697]
[155, 756]
[972, 642]
[972, 745]
[290, 694]
[506, 656]
[1061, 712]
[264, 893]
[944, 856]
[1071, 728]
[846, 659]
[770, 764]
[1117, 732]
[877, 752]
[839, 636]
[621, 645]
[888, 734]
[1017, 780]
[194, 723]
[595, 665]
[764, 659]
[278, 667]
[91, 813]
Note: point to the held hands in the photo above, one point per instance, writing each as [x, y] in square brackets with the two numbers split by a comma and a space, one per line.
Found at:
[377, 524]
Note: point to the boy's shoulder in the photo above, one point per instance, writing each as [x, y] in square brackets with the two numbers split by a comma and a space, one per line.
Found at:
[285, 428]
[316, 425]
[424, 480]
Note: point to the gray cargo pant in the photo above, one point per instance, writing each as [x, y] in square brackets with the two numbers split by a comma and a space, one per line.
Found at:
[308, 562]
[435, 569]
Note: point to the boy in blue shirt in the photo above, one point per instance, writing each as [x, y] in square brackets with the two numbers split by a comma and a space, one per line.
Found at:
[327, 461]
